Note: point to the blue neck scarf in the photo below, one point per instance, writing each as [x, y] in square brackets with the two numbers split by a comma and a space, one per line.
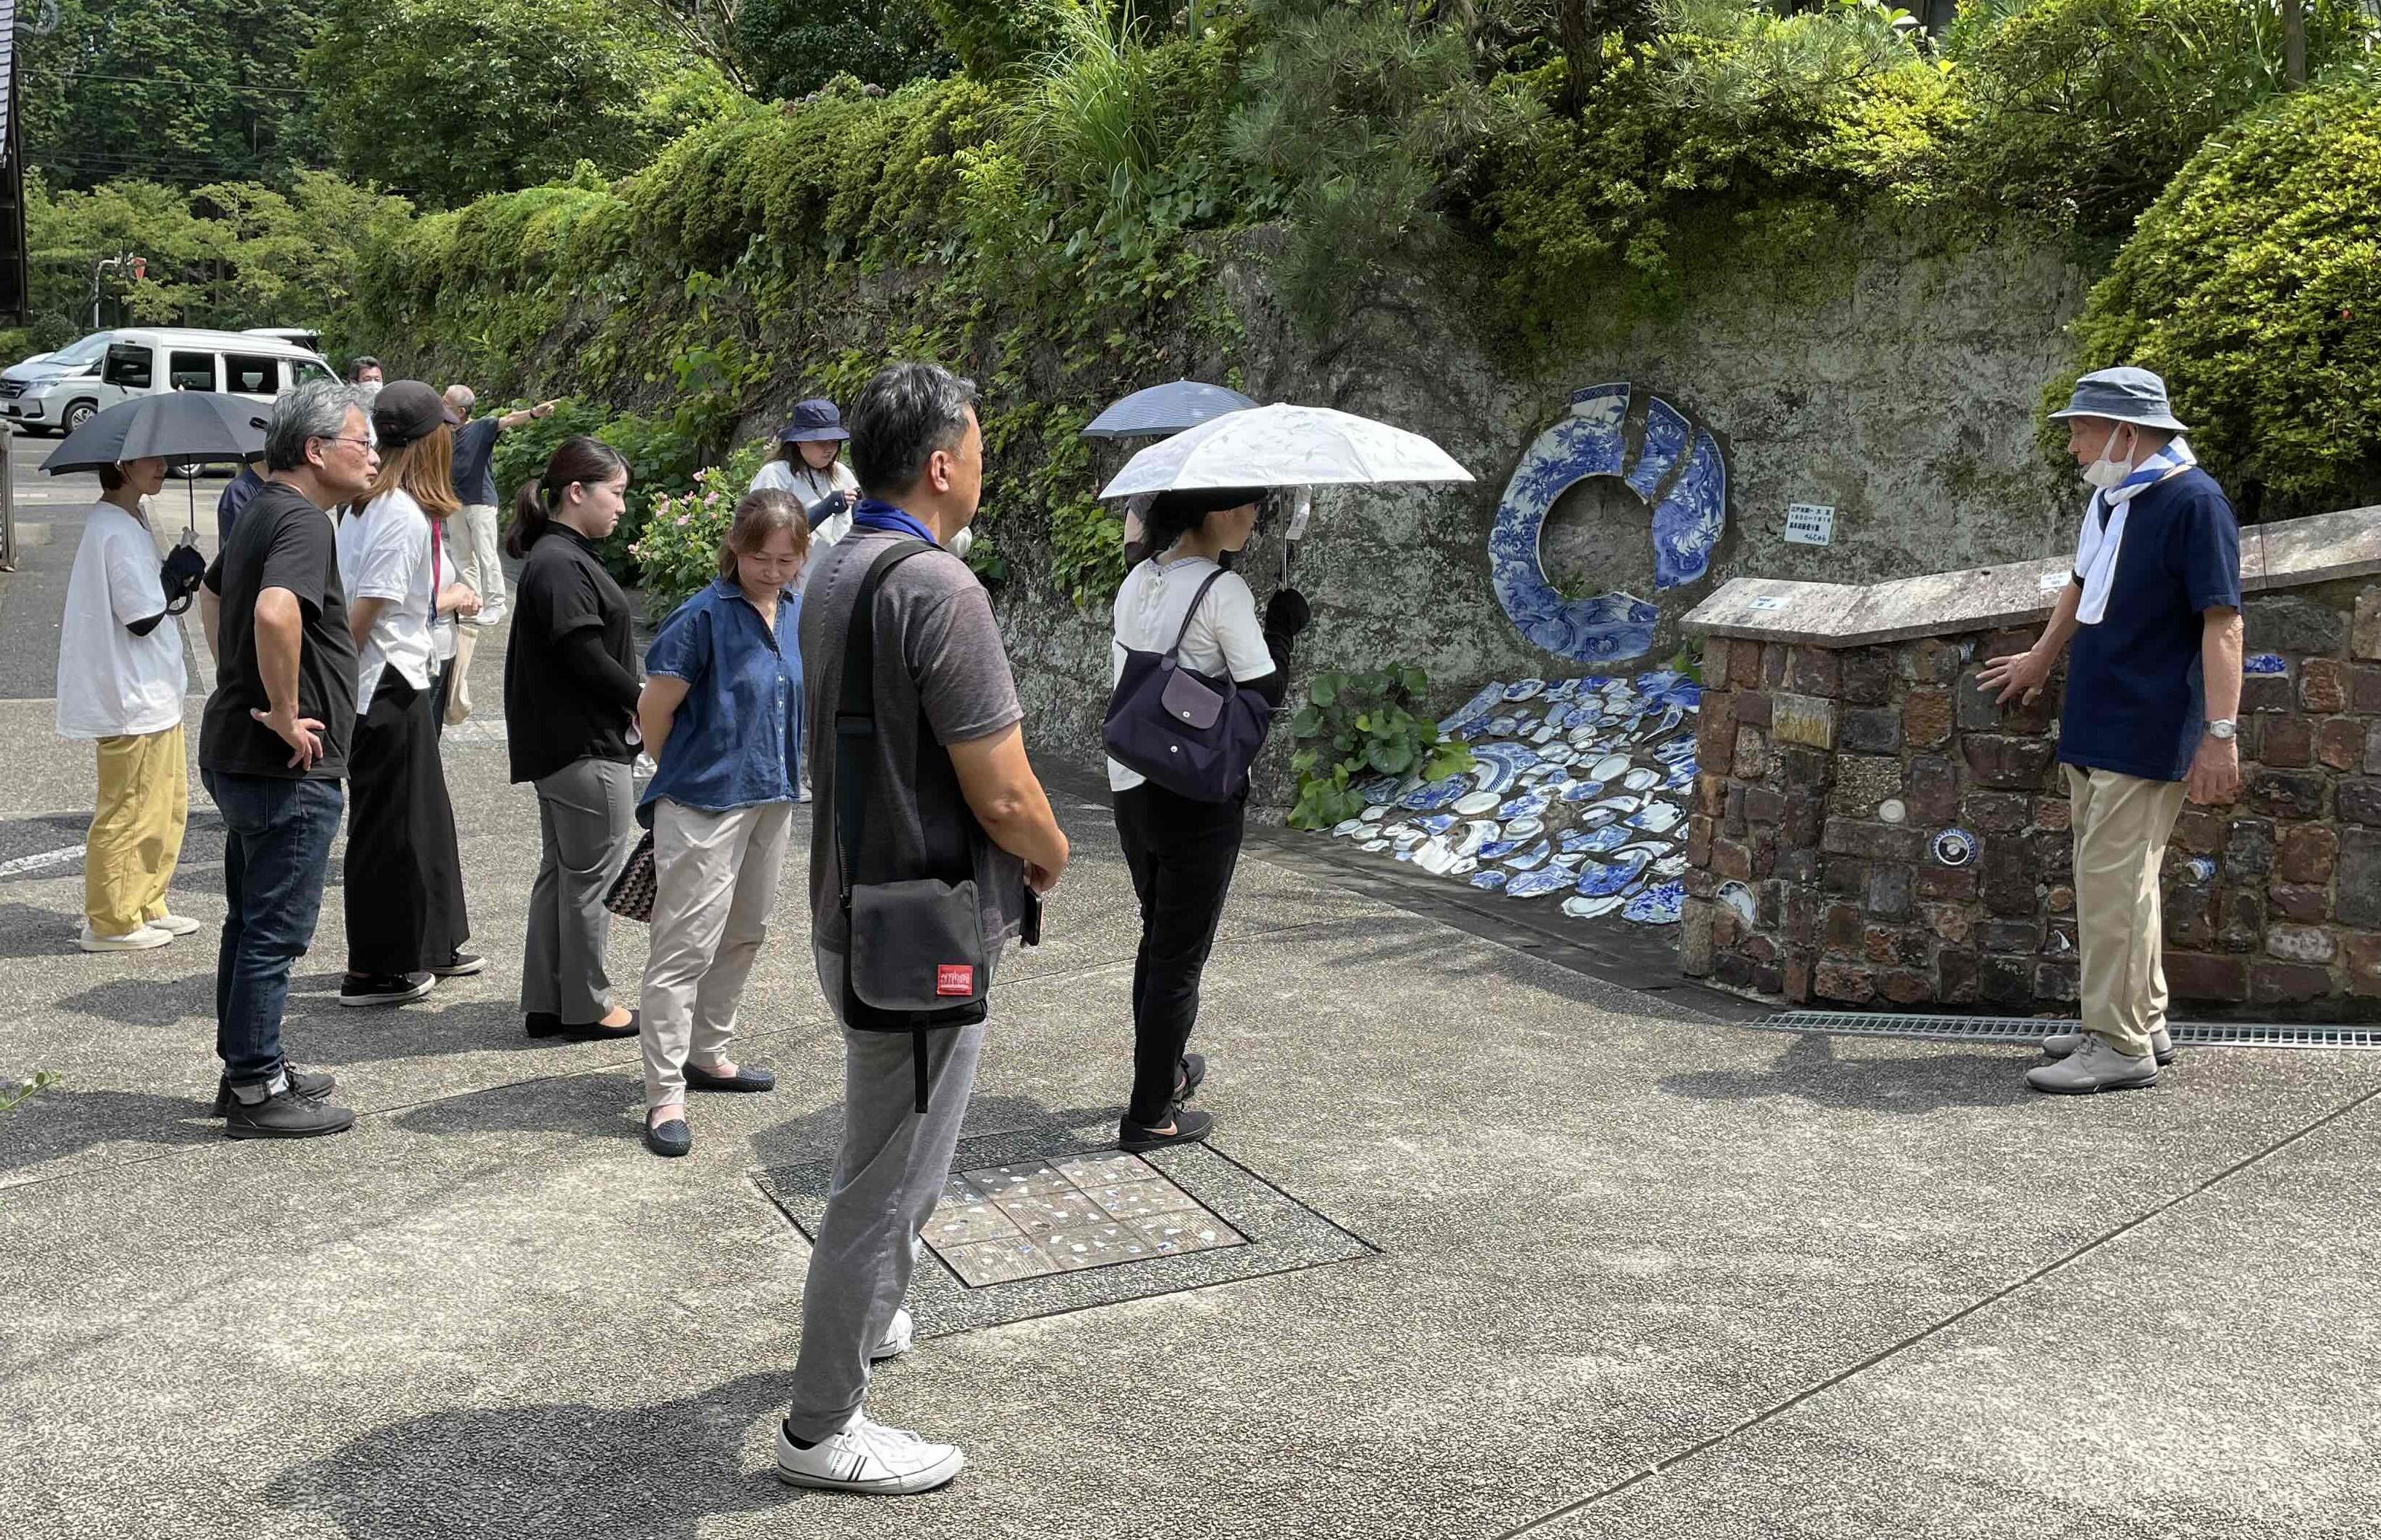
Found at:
[887, 519]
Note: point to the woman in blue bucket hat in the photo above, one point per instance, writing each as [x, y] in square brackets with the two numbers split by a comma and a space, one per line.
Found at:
[807, 461]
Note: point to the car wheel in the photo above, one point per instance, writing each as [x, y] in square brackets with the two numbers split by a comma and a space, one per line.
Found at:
[77, 414]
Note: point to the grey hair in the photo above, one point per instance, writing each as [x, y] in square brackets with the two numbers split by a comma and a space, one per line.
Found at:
[462, 397]
[317, 409]
[903, 415]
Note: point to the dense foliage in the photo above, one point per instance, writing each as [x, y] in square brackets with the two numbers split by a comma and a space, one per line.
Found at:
[2254, 284]
[789, 48]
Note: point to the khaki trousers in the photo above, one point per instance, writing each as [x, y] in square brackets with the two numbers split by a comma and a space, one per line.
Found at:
[2121, 826]
[136, 833]
[715, 883]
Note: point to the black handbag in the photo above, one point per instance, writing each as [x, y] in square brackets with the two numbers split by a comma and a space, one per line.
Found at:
[917, 961]
[1193, 734]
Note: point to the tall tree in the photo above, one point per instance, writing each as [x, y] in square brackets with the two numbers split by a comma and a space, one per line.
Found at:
[792, 47]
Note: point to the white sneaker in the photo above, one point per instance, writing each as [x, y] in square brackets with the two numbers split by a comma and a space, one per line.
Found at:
[142, 939]
[897, 1338]
[174, 925]
[867, 1457]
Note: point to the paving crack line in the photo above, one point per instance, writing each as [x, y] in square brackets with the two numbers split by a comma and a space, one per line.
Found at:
[1704, 1446]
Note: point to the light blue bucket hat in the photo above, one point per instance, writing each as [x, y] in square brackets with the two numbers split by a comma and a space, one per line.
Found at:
[2123, 395]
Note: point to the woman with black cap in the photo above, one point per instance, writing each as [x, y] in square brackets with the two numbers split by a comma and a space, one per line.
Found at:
[806, 461]
[1180, 852]
[404, 887]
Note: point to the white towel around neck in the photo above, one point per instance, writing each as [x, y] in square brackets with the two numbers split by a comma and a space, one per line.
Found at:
[2104, 526]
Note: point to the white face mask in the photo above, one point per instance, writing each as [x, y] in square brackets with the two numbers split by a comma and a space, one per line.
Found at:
[957, 544]
[2104, 473]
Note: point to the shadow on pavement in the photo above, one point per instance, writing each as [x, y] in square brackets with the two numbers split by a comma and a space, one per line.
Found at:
[63, 1122]
[571, 1471]
[598, 1106]
[813, 1135]
[1810, 1072]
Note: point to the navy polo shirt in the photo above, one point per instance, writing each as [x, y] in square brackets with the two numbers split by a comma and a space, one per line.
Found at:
[736, 739]
[2135, 700]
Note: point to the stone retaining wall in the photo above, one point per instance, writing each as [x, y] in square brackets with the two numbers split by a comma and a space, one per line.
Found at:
[1842, 785]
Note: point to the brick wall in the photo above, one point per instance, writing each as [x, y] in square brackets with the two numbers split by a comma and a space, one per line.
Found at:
[1829, 773]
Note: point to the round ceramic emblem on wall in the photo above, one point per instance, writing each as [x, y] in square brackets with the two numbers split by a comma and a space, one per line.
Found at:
[1954, 848]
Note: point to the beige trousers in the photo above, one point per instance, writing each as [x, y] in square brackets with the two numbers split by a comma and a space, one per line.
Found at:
[715, 883]
[135, 833]
[2121, 826]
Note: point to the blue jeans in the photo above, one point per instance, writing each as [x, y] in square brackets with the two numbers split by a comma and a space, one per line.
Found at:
[277, 853]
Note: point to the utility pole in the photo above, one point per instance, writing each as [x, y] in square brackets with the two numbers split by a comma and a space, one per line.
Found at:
[2295, 43]
[121, 263]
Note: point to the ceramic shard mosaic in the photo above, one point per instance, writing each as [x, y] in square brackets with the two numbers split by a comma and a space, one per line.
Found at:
[1023, 1220]
[1679, 472]
[1577, 798]
[1042, 1221]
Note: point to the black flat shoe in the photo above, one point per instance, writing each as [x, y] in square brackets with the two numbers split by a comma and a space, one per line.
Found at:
[461, 966]
[746, 1078]
[1194, 1069]
[541, 1023]
[1191, 1127]
[310, 1084]
[672, 1138]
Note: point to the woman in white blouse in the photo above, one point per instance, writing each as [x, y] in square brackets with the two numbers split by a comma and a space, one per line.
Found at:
[1181, 853]
[404, 887]
[807, 461]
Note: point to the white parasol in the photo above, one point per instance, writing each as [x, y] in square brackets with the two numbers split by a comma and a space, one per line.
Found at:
[1285, 446]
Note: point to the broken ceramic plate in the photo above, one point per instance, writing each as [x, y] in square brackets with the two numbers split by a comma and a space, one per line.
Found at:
[1403, 853]
[1621, 805]
[1581, 791]
[1478, 832]
[1378, 790]
[1670, 866]
[1545, 735]
[1614, 876]
[1676, 750]
[1656, 905]
[1532, 856]
[1530, 804]
[1498, 764]
[1433, 856]
[1437, 823]
[1681, 777]
[1477, 802]
[1736, 896]
[1588, 909]
[1522, 689]
[1496, 850]
[1463, 866]
[1373, 846]
[1489, 880]
[1525, 829]
[1353, 826]
[1640, 779]
[1434, 795]
[1404, 836]
[1612, 767]
[1475, 709]
[1531, 884]
[1374, 815]
[1657, 817]
[1502, 727]
[1562, 689]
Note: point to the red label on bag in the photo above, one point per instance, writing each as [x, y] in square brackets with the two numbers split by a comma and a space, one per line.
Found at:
[955, 979]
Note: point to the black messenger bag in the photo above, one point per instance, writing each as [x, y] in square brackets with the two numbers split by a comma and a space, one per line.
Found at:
[917, 958]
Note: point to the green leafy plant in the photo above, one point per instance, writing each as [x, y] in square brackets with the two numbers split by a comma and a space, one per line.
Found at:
[15, 1094]
[1357, 725]
[678, 551]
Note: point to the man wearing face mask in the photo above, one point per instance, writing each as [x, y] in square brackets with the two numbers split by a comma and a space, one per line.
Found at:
[2153, 610]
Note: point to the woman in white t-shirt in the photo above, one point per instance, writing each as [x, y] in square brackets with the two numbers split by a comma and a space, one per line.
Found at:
[807, 461]
[404, 891]
[121, 679]
[1181, 853]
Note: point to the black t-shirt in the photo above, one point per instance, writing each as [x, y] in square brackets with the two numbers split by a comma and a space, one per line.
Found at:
[475, 461]
[570, 671]
[281, 542]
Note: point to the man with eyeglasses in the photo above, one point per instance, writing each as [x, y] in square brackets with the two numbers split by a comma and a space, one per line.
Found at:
[273, 746]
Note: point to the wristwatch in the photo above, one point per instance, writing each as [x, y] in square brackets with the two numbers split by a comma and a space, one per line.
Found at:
[2223, 729]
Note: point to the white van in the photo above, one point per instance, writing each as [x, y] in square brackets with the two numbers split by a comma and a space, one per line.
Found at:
[60, 392]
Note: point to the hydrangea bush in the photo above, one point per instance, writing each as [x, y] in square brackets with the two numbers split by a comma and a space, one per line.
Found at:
[678, 550]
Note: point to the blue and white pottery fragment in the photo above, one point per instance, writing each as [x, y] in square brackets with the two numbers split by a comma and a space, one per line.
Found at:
[1531, 884]
[1640, 779]
[1499, 764]
[1476, 710]
[1435, 795]
[1582, 791]
[1525, 829]
[1437, 823]
[1373, 846]
[1612, 767]
[2264, 662]
[1403, 853]
[1376, 813]
[1954, 848]
[1496, 850]
[1353, 826]
[1588, 908]
[1476, 802]
[1378, 790]
[1530, 804]
[1656, 905]
[1532, 856]
[1434, 856]
[1522, 689]
[1491, 881]
[2199, 868]
[1670, 753]
[1657, 817]
[1612, 876]
[1737, 897]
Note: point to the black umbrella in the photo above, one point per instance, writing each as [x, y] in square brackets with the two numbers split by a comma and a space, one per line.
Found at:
[183, 427]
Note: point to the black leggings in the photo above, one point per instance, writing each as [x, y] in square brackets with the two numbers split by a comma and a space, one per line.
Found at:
[403, 881]
[1181, 855]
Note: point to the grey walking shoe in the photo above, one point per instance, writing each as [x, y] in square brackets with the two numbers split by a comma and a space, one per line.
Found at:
[2093, 1067]
[2058, 1045]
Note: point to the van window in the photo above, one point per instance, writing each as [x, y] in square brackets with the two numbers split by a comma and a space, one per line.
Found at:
[129, 367]
[307, 372]
[192, 372]
[251, 376]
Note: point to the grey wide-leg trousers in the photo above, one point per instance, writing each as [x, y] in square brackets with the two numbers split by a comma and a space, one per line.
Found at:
[586, 816]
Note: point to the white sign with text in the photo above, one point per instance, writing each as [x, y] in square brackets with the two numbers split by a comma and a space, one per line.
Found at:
[1810, 524]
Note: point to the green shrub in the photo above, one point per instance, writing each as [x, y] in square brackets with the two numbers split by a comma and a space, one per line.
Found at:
[993, 37]
[2253, 284]
[1354, 726]
[678, 551]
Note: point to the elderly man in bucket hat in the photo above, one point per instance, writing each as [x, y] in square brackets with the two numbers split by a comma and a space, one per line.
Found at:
[2152, 611]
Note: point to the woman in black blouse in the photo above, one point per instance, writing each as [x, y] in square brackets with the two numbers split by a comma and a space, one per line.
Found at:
[570, 709]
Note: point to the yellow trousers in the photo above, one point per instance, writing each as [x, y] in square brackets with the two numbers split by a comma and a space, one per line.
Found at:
[136, 835]
[2121, 827]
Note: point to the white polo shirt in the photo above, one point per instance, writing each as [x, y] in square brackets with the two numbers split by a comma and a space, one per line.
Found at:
[794, 475]
[111, 682]
[384, 555]
[1225, 638]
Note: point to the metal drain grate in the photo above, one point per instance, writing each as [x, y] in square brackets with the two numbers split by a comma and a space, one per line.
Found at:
[2024, 1029]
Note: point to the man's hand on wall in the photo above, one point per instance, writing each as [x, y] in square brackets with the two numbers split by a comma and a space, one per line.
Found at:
[2022, 675]
[2215, 776]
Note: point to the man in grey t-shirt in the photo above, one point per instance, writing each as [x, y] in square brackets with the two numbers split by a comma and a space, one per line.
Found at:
[951, 795]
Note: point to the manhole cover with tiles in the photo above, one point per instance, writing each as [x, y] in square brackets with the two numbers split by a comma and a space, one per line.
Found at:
[1049, 1220]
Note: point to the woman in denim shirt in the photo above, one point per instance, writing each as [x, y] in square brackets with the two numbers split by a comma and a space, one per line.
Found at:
[722, 716]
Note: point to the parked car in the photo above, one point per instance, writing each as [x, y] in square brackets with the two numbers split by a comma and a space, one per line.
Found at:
[297, 337]
[59, 393]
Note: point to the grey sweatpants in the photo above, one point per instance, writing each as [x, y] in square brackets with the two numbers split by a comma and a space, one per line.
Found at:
[586, 815]
[888, 1176]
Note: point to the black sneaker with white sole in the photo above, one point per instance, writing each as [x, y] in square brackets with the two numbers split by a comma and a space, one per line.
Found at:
[1190, 1127]
[386, 988]
[460, 966]
[284, 1114]
[313, 1085]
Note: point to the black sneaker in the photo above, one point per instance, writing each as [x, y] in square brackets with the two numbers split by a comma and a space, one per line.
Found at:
[285, 1115]
[309, 1084]
[461, 964]
[1194, 1071]
[1191, 1126]
[386, 988]
[542, 1024]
